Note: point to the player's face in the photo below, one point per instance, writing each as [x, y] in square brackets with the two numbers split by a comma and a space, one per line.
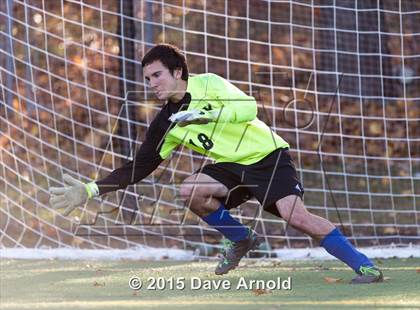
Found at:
[160, 79]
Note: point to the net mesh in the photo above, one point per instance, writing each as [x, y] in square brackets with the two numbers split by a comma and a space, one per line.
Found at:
[339, 80]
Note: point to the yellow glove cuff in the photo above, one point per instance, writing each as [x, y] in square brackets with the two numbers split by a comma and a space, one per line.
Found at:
[92, 190]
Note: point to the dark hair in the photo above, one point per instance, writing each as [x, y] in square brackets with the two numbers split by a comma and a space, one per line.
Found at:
[170, 56]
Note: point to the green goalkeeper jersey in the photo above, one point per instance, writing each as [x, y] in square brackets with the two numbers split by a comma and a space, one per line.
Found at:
[236, 135]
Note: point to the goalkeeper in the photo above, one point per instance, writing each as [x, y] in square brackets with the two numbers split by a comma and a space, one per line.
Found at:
[208, 114]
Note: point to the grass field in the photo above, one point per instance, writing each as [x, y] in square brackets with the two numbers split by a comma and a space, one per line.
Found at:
[55, 284]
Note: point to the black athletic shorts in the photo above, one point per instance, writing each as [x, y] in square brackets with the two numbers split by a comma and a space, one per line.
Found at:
[268, 180]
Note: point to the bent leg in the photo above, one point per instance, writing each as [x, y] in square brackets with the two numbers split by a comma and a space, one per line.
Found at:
[200, 192]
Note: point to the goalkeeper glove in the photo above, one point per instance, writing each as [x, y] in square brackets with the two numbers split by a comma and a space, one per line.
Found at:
[72, 196]
[185, 118]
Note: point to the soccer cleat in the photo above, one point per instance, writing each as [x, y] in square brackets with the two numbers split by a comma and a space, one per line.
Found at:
[368, 274]
[234, 253]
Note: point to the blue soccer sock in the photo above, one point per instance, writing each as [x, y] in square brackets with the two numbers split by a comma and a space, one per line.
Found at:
[337, 245]
[227, 225]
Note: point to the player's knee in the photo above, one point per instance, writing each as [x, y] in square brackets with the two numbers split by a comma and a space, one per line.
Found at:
[192, 188]
[185, 191]
[190, 191]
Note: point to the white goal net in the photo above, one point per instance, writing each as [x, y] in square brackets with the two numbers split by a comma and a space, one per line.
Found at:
[339, 80]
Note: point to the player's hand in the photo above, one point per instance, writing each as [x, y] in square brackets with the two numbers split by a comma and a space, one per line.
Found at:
[197, 121]
[73, 195]
[189, 117]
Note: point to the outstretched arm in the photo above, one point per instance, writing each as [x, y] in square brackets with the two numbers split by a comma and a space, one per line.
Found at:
[145, 162]
[77, 193]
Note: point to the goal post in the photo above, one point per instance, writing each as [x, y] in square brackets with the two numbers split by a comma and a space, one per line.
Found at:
[339, 80]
